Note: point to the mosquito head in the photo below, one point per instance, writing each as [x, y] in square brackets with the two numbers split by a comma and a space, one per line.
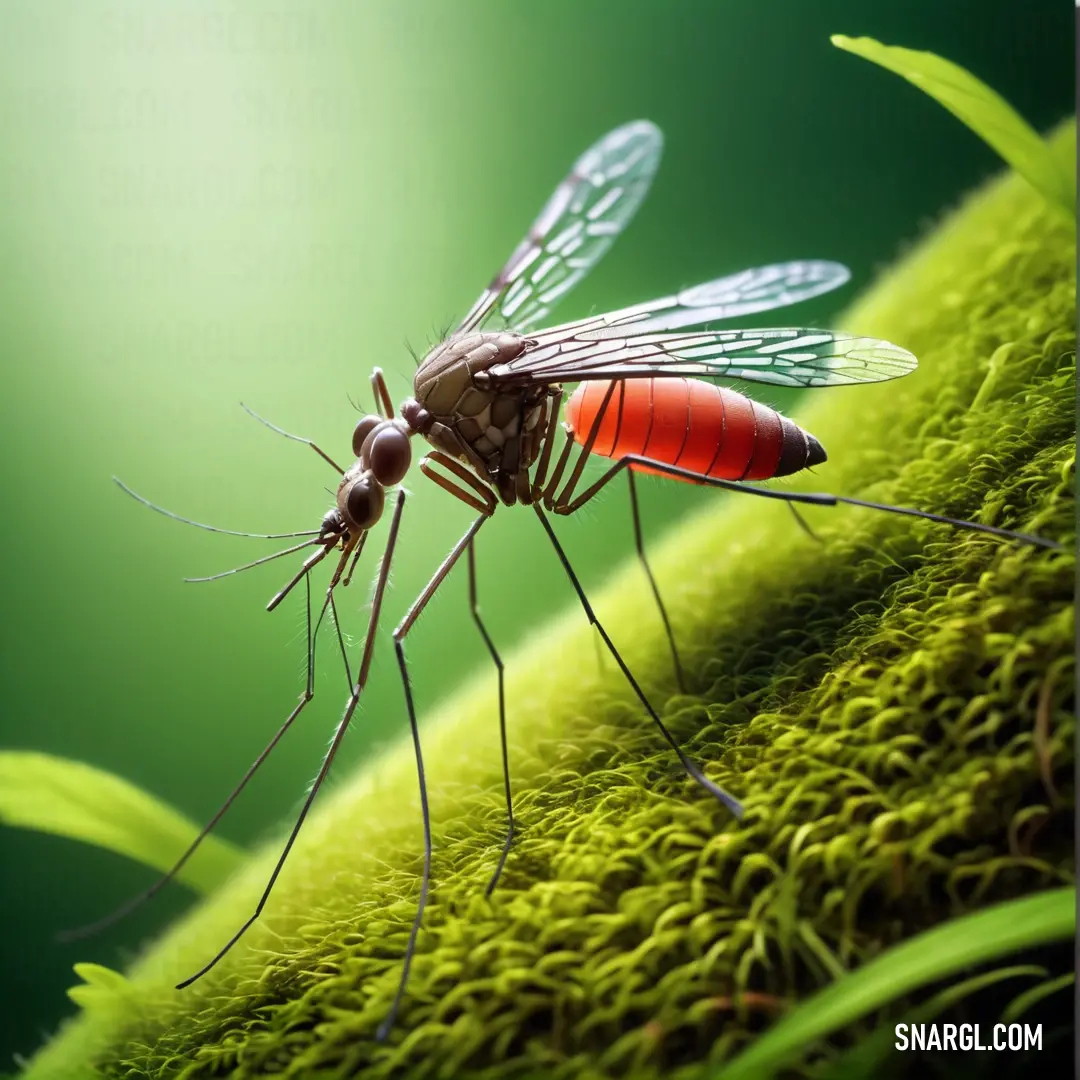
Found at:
[360, 499]
[382, 447]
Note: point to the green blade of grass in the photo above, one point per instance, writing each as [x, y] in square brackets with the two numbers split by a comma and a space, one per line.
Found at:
[983, 110]
[869, 1056]
[73, 799]
[936, 954]
[1029, 998]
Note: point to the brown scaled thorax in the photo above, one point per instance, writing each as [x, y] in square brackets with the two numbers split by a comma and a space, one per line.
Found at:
[497, 432]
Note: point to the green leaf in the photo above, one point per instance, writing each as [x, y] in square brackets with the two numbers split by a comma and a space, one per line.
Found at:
[870, 1055]
[73, 799]
[983, 110]
[935, 954]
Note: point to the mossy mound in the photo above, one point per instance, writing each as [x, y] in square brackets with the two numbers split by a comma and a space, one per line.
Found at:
[894, 706]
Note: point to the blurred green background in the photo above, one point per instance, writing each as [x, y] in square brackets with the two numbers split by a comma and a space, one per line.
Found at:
[259, 202]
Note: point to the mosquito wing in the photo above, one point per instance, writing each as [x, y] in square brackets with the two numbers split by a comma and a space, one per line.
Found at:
[787, 357]
[577, 226]
[748, 292]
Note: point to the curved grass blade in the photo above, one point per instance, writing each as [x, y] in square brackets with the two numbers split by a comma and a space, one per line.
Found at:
[869, 1057]
[70, 798]
[1030, 998]
[937, 953]
[983, 110]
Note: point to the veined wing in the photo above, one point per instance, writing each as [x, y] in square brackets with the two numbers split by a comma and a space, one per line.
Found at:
[576, 227]
[748, 292]
[785, 357]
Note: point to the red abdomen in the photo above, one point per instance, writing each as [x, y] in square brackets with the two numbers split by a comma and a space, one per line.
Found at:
[694, 425]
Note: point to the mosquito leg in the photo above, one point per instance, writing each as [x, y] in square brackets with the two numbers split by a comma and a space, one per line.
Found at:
[383, 404]
[560, 502]
[556, 476]
[486, 505]
[551, 500]
[567, 505]
[295, 438]
[340, 637]
[555, 502]
[308, 694]
[339, 734]
[479, 496]
[474, 607]
[692, 769]
[554, 404]
[356, 558]
[803, 524]
[308, 563]
[400, 634]
[546, 491]
[639, 543]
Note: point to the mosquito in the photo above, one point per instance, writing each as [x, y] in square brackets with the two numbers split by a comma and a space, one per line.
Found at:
[488, 399]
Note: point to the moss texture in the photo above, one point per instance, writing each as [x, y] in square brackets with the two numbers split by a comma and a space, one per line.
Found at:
[895, 707]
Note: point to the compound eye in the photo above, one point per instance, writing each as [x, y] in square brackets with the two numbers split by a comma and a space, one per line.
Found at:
[364, 503]
[387, 453]
[363, 429]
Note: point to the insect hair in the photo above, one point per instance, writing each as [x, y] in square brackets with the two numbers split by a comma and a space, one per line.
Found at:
[440, 333]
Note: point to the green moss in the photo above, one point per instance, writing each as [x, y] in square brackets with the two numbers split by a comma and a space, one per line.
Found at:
[894, 707]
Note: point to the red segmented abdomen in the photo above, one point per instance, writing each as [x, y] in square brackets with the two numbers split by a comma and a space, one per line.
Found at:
[694, 425]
